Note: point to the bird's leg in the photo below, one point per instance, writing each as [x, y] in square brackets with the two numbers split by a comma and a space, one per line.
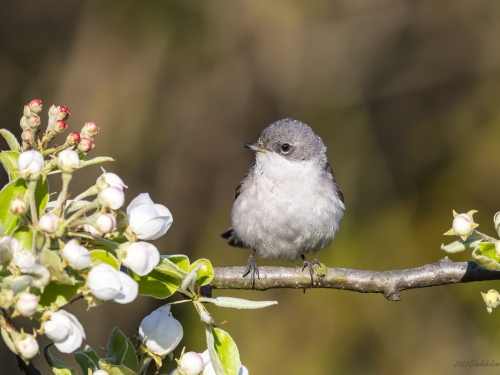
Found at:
[306, 263]
[252, 268]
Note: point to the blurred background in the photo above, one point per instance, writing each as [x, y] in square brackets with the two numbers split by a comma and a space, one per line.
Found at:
[405, 95]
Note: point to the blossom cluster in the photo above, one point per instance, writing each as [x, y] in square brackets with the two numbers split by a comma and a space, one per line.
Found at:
[79, 245]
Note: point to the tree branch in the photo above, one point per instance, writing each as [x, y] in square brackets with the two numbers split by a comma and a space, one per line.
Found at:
[389, 283]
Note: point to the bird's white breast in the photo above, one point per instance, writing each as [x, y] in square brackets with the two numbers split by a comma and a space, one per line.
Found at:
[286, 208]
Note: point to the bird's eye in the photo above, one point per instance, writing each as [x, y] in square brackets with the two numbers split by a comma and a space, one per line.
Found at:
[285, 148]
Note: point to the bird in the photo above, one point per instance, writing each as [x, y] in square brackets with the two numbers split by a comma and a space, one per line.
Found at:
[289, 203]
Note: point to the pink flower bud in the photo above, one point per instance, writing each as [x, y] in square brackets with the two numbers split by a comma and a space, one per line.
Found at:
[73, 139]
[77, 256]
[48, 223]
[18, 206]
[63, 113]
[191, 363]
[105, 223]
[68, 160]
[85, 144]
[90, 129]
[34, 122]
[60, 126]
[35, 106]
[27, 304]
[141, 258]
[112, 197]
[27, 347]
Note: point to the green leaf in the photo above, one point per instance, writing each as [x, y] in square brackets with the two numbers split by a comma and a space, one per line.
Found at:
[8, 340]
[226, 351]
[175, 265]
[51, 260]
[112, 369]
[18, 189]
[214, 357]
[205, 273]
[156, 284]
[87, 359]
[102, 256]
[58, 368]
[26, 237]
[9, 162]
[97, 160]
[461, 245]
[60, 294]
[237, 303]
[485, 255]
[180, 260]
[11, 140]
[120, 350]
[14, 189]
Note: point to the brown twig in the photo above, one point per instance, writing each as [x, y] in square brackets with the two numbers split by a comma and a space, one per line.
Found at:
[389, 283]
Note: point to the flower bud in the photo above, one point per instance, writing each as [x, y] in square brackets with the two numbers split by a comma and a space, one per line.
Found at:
[60, 126]
[63, 113]
[73, 139]
[68, 160]
[48, 222]
[34, 122]
[103, 282]
[35, 106]
[27, 135]
[27, 304]
[191, 363]
[24, 123]
[6, 298]
[27, 346]
[160, 331]
[148, 220]
[89, 129]
[112, 197]
[85, 144]
[92, 230]
[141, 258]
[65, 330]
[18, 206]
[100, 372]
[463, 225]
[26, 110]
[77, 256]
[492, 299]
[104, 223]
[110, 180]
[30, 164]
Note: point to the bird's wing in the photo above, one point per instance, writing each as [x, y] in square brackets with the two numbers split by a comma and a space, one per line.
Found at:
[240, 185]
[329, 173]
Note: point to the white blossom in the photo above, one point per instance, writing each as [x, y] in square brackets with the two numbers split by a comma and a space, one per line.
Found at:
[141, 257]
[160, 331]
[148, 220]
[65, 330]
[30, 164]
[76, 255]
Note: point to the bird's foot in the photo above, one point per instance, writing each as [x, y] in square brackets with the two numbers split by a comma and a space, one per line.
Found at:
[252, 268]
[307, 264]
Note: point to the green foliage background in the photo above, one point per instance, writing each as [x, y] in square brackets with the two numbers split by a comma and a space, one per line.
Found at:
[405, 95]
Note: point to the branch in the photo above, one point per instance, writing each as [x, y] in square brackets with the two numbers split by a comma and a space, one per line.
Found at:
[389, 283]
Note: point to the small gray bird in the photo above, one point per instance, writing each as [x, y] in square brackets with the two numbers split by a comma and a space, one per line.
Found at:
[288, 204]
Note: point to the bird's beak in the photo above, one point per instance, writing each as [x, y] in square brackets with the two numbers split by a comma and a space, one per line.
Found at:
[256, 146]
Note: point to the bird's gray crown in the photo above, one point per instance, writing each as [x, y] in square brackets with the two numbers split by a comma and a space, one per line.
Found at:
[292, 139]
